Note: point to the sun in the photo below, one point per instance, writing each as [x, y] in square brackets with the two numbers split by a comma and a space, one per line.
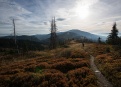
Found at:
[82, 11]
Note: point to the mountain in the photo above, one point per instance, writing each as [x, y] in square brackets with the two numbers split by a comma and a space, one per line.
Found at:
[42, 37]
[71, 34]
[67, 35]
[85, 34]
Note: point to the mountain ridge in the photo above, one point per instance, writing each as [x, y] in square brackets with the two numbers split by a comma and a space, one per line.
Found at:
[70, 34]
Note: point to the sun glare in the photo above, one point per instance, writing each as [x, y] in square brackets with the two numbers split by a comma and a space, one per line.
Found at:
[82, 11]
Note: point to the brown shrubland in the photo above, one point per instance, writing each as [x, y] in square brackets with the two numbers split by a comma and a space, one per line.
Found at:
[55, 68]
[108, 60]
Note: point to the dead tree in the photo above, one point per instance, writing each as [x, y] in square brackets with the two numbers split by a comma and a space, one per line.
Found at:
[53, 36]
[16, 46]
[14, 31]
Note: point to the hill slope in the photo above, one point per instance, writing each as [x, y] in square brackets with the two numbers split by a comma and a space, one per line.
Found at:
[85, 34]
[23, 37]
[74, 33]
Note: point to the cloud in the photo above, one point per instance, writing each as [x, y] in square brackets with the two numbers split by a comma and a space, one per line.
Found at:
[45, 23]
[113, 18]
[34, 16]
[4, 23]
[9, 11]
[60, 19]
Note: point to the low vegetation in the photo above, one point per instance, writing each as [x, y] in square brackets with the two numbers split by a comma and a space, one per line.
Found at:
[62, 67]
[108, 60]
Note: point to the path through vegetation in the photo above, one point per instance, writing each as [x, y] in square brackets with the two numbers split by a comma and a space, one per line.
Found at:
[103, 82]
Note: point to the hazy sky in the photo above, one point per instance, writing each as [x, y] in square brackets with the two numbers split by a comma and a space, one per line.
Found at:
[34, 16]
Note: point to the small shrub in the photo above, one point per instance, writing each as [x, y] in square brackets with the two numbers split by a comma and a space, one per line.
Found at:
[77, 54]
[66, 53]
[63, 66]
[43, 65]
[107, 50]
[81, 76]
[30, 69]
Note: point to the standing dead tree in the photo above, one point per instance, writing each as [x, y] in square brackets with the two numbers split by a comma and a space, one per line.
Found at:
[53, 36]
[14, 31]
[14, 28]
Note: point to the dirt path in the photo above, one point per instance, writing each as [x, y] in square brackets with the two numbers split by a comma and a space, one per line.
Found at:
[103, 82]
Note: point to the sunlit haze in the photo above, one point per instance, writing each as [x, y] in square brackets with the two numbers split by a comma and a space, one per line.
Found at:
[34, 16]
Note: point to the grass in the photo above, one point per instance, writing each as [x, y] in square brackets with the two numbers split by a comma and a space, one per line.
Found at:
[62, 67]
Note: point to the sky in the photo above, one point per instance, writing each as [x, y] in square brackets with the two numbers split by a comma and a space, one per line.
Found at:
[34, 16]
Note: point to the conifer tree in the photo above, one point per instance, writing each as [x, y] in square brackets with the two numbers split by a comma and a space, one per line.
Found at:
[99, 40]
[113, 36]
